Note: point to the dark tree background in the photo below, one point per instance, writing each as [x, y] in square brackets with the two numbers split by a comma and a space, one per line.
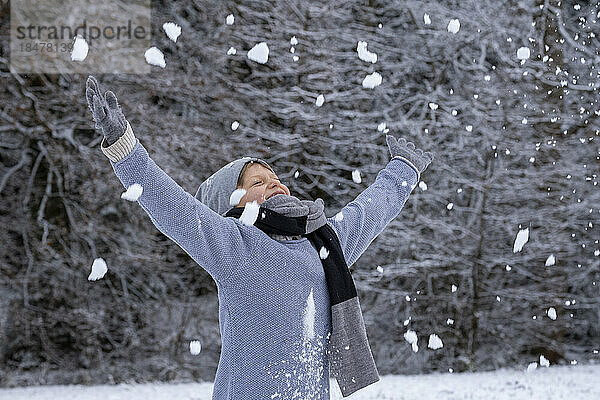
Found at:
[517, 146]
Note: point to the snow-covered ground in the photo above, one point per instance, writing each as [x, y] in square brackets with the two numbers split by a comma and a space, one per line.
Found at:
[554, 383]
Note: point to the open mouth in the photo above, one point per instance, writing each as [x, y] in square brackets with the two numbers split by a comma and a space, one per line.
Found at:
[274, 194]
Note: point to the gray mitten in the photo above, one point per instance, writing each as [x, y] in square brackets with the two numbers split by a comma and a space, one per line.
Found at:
[407, 150]
[107, 114]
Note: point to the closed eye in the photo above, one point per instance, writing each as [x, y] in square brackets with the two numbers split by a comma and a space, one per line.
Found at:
[255, 183]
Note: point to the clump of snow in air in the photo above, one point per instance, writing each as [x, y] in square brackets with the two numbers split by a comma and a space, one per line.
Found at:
[155, 57]
[320, 100]
[532, 367]
[308, 317]
[172, 30]
[365, 54]
[449, 321]
[236, 196]
[426, 19]
[524, 121]
[250, 213]
[80, 49]
[411, 337]
[296, 174]
[382, 127]
[550, 260]
[133, 192]
[433, 106]
[259, 53]
[435, 342]
[235, 125]
[453, 26]
[231, 51]
[380, 269]
[356, 176]
[338, 217]
[544, 361]
[99, 268]
[521, 239]
[552, 313]
[323, 253]
[230, 18]
[469, 128]
[450, 205]
[293, 41]
[523, 53]
[195, 347]
[372, 80]
[422, 185]
[454, 288]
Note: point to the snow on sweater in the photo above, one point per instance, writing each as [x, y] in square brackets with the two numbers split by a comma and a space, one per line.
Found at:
[274, 311]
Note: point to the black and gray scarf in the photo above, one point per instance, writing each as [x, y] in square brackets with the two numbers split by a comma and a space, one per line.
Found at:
[350, 358]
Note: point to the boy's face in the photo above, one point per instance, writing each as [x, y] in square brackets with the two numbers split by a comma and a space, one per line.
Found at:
[260, 184]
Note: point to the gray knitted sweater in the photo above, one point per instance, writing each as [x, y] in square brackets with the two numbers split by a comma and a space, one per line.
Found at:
[274, 312]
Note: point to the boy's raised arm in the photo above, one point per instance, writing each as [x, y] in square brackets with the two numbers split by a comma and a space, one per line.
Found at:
[209, 238]
[364, 218]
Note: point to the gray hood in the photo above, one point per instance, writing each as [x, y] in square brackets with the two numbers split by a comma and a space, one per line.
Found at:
[217, 188]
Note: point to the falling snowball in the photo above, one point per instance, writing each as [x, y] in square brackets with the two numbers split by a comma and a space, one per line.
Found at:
[411, 337]
[293, 41]
[231, 51]
[426, 19]
[155, 57]
[435, 342]
[551, 313]
[236, 196]
[259, 53]
[365, 54]
[250, 213]
[422, 185]
[550, 260]
[80, 49]
[454, 26]
[454, 288]
[544, 361]
[356, 176]
[323, 253]
[195, 347]
[433, 106]
[172, 30]
[98, 270]
[235, 125]
[320, 100]
[133, 192]
[372, 80]
[523, 53]
[230, 18]
[532, 367]
[521, 239]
